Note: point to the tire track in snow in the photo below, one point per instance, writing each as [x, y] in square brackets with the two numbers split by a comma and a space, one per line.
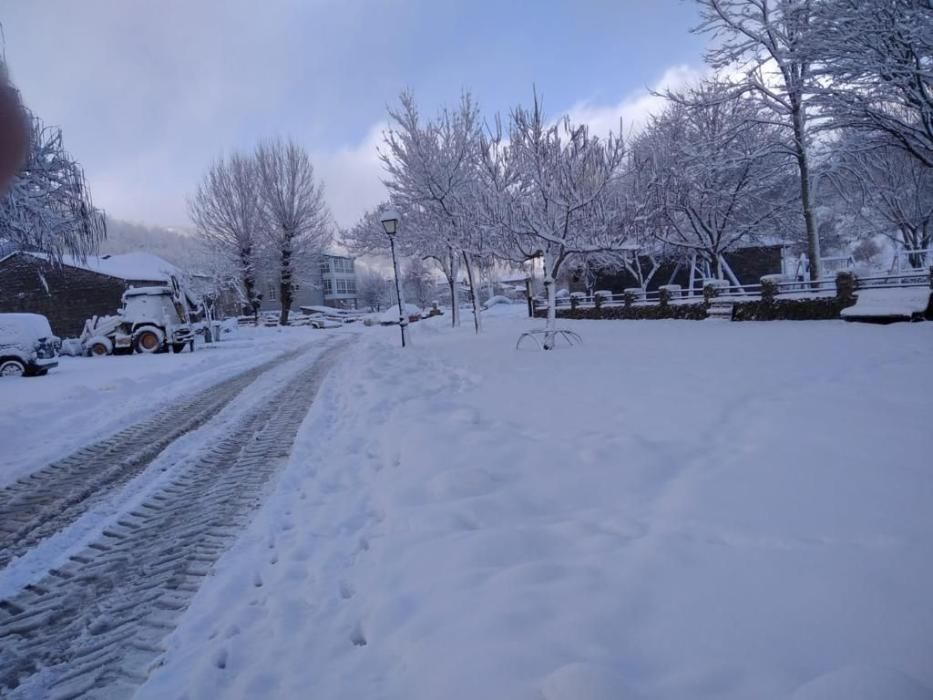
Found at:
[42, 503]
[94, 627]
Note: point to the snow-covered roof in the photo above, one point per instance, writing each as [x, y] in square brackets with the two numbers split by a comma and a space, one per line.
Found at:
[144, 267]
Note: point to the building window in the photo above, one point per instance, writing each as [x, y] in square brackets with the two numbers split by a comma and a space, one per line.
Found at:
[325, 267]
[345, 286]
[272, 291]
[328, 287]
[343, 265]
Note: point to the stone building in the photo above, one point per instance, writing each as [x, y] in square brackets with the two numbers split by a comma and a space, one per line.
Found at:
[71, 291]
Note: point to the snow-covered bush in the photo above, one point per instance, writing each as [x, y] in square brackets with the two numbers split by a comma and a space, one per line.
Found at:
[498, 299]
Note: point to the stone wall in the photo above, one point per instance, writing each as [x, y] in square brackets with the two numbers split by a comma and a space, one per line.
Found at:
[67, 296]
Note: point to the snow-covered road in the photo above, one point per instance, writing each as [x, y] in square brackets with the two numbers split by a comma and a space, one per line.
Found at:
[83, 610]
[43, 419]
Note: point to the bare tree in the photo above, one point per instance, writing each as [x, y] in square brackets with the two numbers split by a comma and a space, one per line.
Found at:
[227, 214]
[767, 39]
[48, 207]
[874, 60]
[298, 223]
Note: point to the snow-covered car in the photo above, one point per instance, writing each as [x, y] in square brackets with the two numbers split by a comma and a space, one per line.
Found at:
[324, 323]
[27, 345]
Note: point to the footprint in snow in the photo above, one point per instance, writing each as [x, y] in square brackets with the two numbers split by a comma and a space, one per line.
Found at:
[220, 658]
[357, 637]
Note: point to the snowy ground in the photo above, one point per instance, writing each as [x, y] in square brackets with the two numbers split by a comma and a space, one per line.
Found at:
[674, 510]
[45, 418]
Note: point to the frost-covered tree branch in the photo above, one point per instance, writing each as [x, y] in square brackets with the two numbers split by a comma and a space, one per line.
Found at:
[48, 207]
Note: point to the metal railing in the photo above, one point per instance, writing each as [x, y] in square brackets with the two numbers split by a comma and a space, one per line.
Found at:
[785, 288]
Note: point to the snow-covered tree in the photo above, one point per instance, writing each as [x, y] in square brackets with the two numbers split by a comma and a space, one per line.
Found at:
[875, 64]
[47, 206]
[766, 40]
[297, 221]
[554, 186]
[419, 282]
[713, 176]
[226, 211]
[373, 289]
[889, 189]
[432, 172]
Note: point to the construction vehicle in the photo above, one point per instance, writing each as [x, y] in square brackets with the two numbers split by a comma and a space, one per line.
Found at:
[152, 319]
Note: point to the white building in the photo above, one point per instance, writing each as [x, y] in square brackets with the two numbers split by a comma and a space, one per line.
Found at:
[330, 282]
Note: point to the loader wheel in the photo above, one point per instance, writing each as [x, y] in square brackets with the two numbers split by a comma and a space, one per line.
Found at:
[99, 350]
[148, 342]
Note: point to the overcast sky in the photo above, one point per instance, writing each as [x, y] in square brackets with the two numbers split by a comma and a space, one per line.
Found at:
[148, 92]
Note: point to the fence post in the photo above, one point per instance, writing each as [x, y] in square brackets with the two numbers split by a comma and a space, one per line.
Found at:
[573, 302]
[710, 291]
[931, 276]
[664, 296]
[769, 288]
[846, 286]
[628, 298]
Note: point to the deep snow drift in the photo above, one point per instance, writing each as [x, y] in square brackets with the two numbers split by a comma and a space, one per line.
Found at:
[673, 510]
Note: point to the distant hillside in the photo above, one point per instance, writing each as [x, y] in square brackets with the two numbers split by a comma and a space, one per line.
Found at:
[125, 237]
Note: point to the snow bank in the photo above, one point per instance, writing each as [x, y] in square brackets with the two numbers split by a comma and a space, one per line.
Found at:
[897, 302]
[463, 521]
[390, 315]
[493, 301]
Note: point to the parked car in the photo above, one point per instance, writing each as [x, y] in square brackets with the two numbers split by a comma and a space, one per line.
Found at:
[27, 345]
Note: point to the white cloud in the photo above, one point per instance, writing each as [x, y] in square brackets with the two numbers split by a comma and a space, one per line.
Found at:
[353, 174]
[635, 109]
[353, 177]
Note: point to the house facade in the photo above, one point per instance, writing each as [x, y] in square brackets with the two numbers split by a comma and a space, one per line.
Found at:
[70, 291]
[331, 281]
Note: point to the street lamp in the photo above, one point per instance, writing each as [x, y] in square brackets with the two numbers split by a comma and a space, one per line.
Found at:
[390, 222]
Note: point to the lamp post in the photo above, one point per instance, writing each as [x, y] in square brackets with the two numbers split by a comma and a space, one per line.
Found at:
[390, 222]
